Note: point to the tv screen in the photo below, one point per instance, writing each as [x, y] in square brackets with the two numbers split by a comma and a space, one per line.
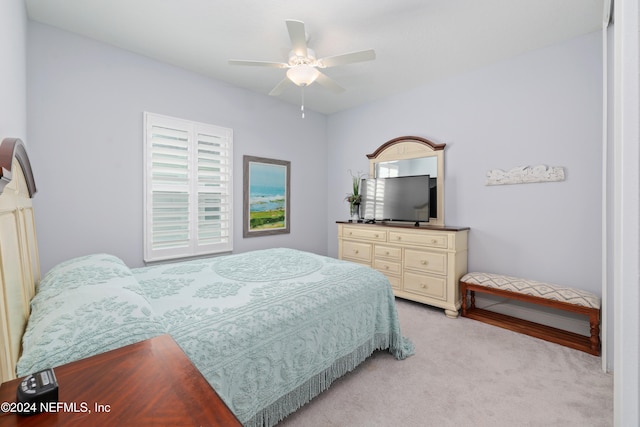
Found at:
[403, 198]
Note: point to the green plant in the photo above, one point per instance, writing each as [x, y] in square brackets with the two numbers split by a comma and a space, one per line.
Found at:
[354, 198]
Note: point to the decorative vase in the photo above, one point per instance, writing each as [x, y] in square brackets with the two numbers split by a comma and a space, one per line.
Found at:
[355, 211]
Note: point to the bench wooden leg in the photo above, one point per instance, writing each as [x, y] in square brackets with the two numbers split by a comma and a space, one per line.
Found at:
[594, 322]
[463, 292]
[467, 304]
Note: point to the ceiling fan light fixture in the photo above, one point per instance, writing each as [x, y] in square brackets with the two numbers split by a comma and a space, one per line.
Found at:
[303, 74]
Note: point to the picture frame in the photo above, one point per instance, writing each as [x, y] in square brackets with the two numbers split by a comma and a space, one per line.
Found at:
[266, 196]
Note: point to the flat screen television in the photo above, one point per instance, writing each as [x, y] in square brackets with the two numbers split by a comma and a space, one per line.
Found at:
[403, 198]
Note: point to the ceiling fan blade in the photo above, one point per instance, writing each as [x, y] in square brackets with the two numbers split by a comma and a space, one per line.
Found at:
[258, 63]
[280, 87]
[298, 37]
[329, 83]
[347, 58]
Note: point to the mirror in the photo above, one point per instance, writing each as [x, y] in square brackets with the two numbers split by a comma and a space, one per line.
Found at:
[408, 167]
[412, 155]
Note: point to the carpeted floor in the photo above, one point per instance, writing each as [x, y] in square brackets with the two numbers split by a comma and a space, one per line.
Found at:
[466, 373]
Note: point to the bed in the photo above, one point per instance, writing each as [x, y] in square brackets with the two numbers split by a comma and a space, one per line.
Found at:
[268, 329]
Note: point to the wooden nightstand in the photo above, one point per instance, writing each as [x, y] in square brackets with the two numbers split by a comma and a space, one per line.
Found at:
[150, 383]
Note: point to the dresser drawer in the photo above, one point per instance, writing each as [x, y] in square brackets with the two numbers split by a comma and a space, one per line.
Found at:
[387, 267]
[396, 282]
[424, 284]
[430, 262]
[357, 251]
[388, 252]
[364, 233]
[425, 239]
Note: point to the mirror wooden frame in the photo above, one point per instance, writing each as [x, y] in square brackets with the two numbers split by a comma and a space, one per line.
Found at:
[413, 147]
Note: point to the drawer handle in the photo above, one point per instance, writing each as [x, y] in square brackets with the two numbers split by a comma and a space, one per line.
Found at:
[423, 286]
[386, 253]
[399, 238]
[351, 233]
[434, 241]
[376, 235]
[386, 267]
[424, 262]
[355, 251]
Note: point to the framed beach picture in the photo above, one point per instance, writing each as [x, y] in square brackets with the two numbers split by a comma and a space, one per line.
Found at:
[265, 196]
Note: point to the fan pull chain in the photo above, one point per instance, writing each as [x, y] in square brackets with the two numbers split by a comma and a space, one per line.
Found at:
[302, 101]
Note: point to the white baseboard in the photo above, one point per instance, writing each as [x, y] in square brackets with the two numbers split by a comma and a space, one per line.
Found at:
[534, 313]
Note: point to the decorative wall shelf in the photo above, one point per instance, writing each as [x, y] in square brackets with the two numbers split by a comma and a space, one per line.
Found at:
[525, 175]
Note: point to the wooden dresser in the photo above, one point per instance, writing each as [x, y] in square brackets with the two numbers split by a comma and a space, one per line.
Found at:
[423, 264]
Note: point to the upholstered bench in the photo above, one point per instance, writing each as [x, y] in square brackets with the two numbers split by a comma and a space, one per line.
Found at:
[530, 291]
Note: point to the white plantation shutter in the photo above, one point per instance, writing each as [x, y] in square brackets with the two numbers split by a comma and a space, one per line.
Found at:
[214, 188]
[188, 188]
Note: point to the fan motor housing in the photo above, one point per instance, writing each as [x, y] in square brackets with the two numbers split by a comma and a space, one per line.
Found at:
[298, 60]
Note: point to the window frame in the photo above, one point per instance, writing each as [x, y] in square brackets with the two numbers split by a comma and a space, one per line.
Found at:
[198, 183]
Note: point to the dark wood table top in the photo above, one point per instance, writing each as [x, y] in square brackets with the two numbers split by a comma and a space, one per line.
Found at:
[150, 383]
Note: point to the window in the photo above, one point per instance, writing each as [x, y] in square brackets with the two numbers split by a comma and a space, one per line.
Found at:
[188, 188]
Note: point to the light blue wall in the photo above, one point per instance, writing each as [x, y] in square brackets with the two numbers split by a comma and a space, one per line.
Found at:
[85, 113]
[543, 107]
[85, 109]
[13, 60]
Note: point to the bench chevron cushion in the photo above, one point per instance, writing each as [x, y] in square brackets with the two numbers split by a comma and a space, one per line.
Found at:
[533, 288]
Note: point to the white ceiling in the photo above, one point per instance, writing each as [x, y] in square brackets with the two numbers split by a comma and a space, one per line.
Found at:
[416, 41]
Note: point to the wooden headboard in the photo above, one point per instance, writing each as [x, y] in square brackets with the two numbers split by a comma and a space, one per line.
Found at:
[19, 264]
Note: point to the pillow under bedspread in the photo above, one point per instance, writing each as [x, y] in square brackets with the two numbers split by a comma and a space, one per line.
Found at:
[82, 307]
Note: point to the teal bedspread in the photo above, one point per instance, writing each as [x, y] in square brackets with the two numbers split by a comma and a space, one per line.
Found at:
[268, 329]
[272, 329]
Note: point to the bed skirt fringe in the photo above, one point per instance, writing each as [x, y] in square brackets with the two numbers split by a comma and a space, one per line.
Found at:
[400, 347]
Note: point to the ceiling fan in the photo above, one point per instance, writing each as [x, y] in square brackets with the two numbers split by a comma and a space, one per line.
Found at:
[303, 68]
